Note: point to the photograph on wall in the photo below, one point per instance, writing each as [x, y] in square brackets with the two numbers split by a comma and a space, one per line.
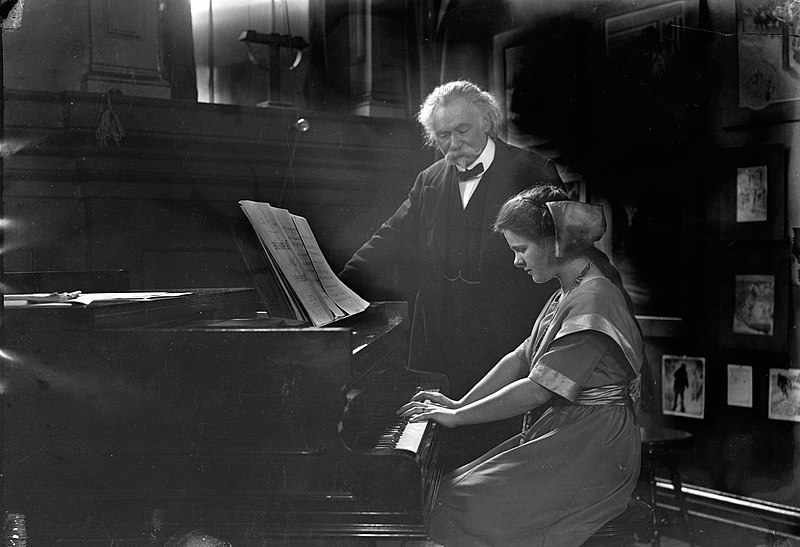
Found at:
[754, 308]
[740, 385]
[683, 385]
[752, 190]
[768, 52]
[539, 113]
[645, 227]
[754, 297]
[751, 194]
[646, 75]
[784, 394]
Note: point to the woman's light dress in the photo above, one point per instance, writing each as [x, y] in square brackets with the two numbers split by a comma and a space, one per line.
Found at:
[575, 468]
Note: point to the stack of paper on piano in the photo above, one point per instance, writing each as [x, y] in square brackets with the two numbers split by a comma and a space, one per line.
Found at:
[311, 289]
[81, 298]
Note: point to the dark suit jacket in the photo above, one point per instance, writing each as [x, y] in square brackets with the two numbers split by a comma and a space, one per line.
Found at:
[416, 234]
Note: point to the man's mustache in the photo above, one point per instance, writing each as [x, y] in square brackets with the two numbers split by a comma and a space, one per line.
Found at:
[455, 155]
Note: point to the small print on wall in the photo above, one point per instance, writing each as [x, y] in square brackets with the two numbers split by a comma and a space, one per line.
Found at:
[752, 186]
[740, 385]
[751, 194]
[683, 385]
[784, 394]
[754, 298]
[768, 53]
[754, 308]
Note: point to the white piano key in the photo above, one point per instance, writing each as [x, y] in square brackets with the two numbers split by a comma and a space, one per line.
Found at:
[412, 436]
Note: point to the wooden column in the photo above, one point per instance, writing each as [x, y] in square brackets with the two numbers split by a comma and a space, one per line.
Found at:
[377, 59]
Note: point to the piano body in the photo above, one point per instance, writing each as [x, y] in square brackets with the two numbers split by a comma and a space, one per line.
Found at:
[130, 421]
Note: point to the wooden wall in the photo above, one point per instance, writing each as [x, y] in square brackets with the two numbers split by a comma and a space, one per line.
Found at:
[157, 204]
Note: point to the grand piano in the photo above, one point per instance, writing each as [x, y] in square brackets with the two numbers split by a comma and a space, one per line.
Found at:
[127, 422]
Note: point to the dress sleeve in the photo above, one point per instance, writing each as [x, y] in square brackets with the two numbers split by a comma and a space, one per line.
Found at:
[567, 365]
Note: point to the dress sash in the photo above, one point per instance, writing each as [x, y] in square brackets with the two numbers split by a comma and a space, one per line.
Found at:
[615, 394]
[611, 395]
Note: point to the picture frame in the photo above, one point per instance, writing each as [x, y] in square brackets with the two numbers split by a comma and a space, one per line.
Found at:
[646, 74]
[754, 295]
[683, 386]
[651, 226]
[784, 394]
[754, 305]
[662, 24]
[762, 90]
[538, 90]
[752, 188]
[768, 53]
[740, 385]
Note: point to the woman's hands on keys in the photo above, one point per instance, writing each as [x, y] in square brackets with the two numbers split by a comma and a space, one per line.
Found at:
[431, 405]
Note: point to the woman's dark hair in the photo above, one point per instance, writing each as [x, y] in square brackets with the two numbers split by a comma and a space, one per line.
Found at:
[526, 213]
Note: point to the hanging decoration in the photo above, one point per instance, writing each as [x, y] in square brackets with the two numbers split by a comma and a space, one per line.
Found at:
[108, 127]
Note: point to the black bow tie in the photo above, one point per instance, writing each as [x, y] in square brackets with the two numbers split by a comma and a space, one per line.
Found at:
[469, 173]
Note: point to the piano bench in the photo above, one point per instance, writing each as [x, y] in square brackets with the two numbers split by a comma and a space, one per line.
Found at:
[635, 524]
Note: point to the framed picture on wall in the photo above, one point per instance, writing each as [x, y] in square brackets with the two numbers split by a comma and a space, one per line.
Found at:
[752, 191]
[768, 52]
[652, 227]
[683, 381]
[754, 305]
[740, 385]
[784, 394]
[754, 299]
[759, 65]
[648, 40]
[541, 92]
[646, 74]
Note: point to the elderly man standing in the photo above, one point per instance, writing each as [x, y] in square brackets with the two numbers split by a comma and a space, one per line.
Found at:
[470, 305]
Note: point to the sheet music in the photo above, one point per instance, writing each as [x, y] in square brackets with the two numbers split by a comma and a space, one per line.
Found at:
[285, 219]
[345, 297]
[276, 242]
[297, 307]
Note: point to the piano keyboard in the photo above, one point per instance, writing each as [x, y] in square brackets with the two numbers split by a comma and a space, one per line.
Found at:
[403, 435]
[379, 428]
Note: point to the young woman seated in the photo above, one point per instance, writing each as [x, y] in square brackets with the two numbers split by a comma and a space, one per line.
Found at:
[574, 468]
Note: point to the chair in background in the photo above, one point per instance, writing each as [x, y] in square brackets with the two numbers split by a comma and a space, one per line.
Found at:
[635, 524]
[661, 449]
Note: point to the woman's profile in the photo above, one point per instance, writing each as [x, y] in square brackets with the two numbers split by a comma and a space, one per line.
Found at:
[574, 468]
